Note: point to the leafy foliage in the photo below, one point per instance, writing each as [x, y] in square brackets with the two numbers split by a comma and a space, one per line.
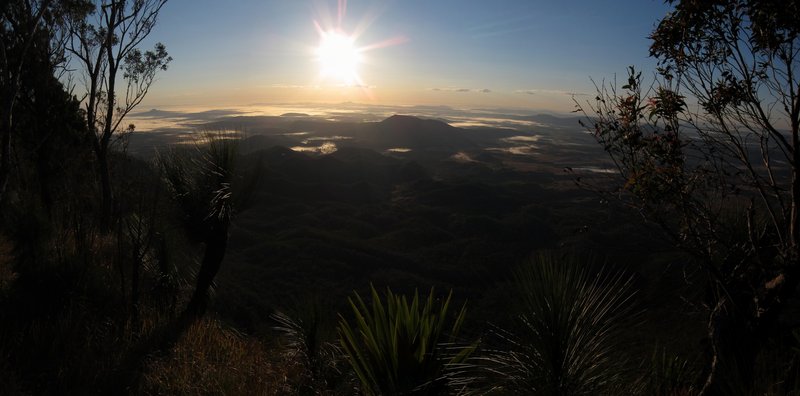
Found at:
[104, 40]
[396, 347]
[726, 186]
[640, 131]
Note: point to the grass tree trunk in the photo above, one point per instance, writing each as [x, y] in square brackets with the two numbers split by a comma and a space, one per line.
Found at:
[216, 244]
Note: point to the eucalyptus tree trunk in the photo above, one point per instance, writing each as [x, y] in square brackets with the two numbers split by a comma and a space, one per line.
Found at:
[104, 45]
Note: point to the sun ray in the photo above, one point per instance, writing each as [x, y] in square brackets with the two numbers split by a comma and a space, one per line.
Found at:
[385, 43]
[342, 11]
[338, 54]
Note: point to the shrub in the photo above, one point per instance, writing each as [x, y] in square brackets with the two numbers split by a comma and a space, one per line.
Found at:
[396, 347]
[317, 363]
[668, 375]
[568, 335]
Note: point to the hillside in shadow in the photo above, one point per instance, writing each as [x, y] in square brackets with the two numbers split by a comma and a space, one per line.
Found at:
[313, 210]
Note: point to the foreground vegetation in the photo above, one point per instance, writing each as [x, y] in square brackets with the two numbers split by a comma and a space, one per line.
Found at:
[174, 276]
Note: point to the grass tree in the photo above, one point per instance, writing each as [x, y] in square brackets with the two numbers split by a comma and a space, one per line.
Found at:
[318, 363]
[397, 347]
[568, 333]
[200, 178]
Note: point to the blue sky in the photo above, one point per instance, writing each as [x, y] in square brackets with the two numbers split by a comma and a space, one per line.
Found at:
[500, 53]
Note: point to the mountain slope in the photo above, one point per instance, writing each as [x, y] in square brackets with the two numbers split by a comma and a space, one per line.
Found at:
[414, 133]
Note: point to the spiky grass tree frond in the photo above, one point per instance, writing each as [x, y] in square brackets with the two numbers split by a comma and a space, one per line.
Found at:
[568, 336]
[217, 160]
[201, 182]
[668, 375]
[301, 337]
[180, 173]
[175, 165]
[396, 347]
[201, 177]
[305, 335]
[306, 346]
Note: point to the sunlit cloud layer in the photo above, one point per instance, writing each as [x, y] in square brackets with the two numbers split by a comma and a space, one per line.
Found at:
[549, 92]
[450, 89]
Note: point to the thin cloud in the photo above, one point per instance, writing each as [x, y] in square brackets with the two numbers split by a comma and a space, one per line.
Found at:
[294, 86]
[548, 92]
[364, 86]
[315, 87]
[462, 90]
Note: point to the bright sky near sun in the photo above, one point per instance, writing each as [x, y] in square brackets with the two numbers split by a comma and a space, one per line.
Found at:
[476, 54]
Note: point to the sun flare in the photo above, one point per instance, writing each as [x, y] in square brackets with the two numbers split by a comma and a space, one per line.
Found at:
[338, 55]
[339, 58]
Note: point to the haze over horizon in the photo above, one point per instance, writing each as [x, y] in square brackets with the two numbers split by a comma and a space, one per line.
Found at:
[510, 54]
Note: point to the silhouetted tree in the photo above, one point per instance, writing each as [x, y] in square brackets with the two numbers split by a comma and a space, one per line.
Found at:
[21, 20]
[40, 133]
[201, 179]
[104, 44]
[52, 145]
[711, 151]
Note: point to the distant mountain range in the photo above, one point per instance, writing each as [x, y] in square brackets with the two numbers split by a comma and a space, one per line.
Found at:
[543, 139]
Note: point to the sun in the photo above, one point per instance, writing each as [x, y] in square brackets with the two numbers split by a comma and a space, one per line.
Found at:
[338, 57]
[337, 54]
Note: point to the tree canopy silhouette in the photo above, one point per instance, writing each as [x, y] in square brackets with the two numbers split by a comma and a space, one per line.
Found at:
[21, 27]
[105, 43]
[711, 151]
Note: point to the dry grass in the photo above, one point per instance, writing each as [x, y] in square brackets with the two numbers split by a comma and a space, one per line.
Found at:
[211, 359]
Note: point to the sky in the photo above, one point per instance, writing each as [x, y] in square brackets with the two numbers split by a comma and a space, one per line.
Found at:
[523, 54]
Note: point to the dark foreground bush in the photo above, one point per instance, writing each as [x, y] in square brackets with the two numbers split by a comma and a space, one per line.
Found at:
[399, 347]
